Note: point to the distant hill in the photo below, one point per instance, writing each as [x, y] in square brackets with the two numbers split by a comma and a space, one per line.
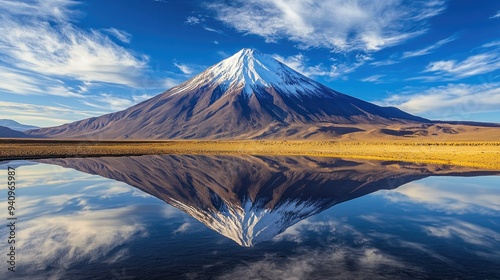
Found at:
[249, 95]
[6, 132]
[12, 124]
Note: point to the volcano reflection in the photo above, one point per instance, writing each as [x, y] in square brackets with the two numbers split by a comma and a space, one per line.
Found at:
[251, 199]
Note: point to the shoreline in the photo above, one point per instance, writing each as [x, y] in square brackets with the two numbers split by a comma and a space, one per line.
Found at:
[461, 153]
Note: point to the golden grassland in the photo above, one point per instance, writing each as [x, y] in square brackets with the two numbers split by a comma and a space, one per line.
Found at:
[481, 154]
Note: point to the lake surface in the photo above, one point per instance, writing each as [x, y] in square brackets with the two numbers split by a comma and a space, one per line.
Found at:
[225, 217]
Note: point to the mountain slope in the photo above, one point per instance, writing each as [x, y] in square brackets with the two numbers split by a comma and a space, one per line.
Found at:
[249, 95]
[15, 125]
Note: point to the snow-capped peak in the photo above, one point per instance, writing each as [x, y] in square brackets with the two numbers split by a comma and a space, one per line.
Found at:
[249, 70]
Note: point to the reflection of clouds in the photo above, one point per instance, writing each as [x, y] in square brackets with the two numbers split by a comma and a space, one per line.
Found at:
[111, 191]
[63, 240]
[340, 262]
[424, 249]
[357, 259]
[469, 233]
[71, 193]
[44, 205]
[36, 175]
[296, 232]
[451, 195]
[182, 228]
[65, 220]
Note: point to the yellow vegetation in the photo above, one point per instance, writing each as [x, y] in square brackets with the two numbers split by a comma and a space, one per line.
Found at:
[472, 154]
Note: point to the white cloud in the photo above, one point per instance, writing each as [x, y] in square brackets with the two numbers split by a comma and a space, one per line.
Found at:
[473, 65]
[193, 20]
[108, 102]
[427, 50]
[339, 25]
[213, 30]
[38, 37]
[372, 79]
[448, 100]
[42, 115]
[497, 15]
[53, 10]
[298, 63]
[491, 44]
[384, 62]
[185, 69]
[121, 35]
[25, 83]
[337, 69]
[140, 98]
[169, 83]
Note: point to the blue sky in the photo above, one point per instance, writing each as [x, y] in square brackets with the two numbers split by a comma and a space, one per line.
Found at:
[65, 60]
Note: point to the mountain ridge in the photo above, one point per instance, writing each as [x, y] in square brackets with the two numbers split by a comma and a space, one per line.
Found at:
[12, 124]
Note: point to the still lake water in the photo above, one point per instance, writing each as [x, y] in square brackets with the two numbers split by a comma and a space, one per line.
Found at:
[224, 217]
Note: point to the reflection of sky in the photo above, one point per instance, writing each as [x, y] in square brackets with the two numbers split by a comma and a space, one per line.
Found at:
[435, 226]
[67, 217]
[459, 195]
[72, 222]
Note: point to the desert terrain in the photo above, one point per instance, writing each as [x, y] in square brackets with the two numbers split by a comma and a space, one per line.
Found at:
[461, 145]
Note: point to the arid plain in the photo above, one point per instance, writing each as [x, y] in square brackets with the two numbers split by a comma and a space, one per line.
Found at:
[462, 145]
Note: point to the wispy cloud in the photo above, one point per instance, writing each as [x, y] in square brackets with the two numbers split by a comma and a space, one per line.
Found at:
[185, 69]
[298, 63]
[337, 69]
[491, 44]
[427, 50]
[142, 97]
[26, 83]
[372, 79]
[448, 100]
[193, 20]
[121, 35]
[473, 65]
[106, 101]
[38, 37]
[497, 15]
[170, 82]
[213, 30]
[398, 58]
[384, 62]
[53, 10]
[338, 25]
[42, 115]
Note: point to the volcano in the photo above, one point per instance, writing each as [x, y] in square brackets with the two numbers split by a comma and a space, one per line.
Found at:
[249, 95]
